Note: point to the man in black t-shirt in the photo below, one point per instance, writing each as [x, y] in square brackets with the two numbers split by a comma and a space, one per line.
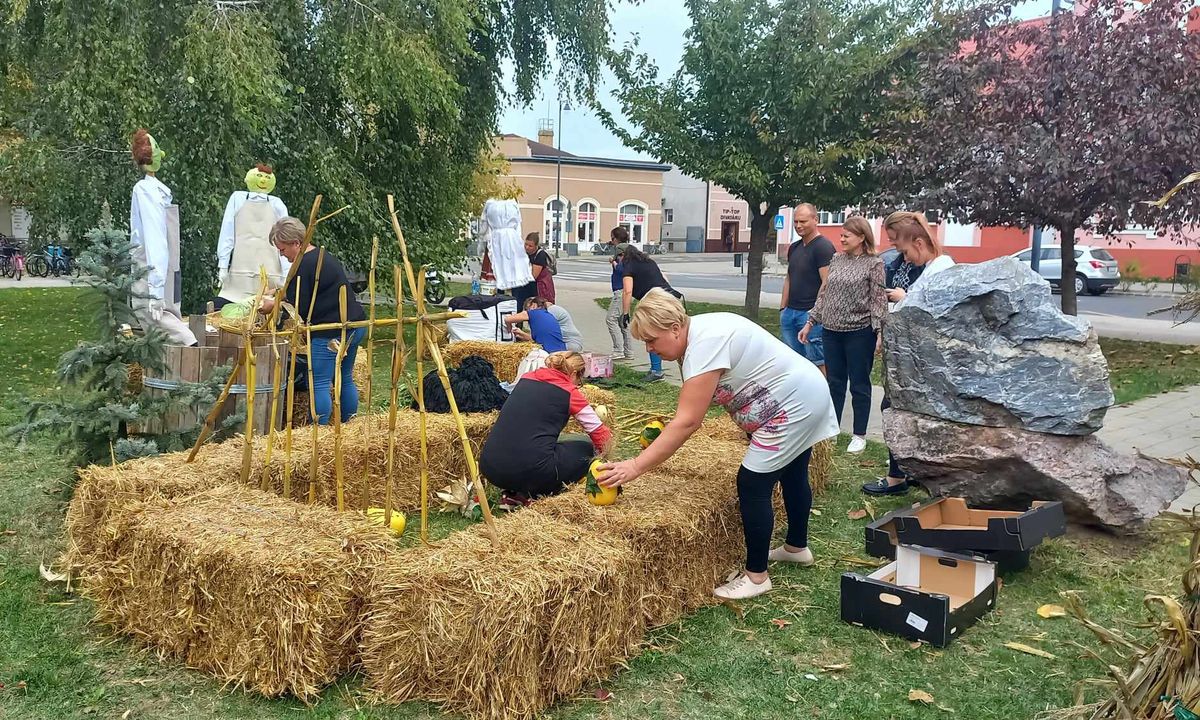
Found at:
[808, 267]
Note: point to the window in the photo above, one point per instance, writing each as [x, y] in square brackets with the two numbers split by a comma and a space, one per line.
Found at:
[586, 222]
[1052, 253]
[554, 223]
[828, 218]
[668, 216]
[632, 216]
[1025, 256]
[1102, 254]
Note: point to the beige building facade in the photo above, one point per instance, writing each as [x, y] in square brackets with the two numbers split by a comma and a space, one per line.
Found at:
[574, 201]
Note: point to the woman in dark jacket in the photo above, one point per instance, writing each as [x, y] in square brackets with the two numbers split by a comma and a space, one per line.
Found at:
[287, 235]
[641, 275]
[523, 455]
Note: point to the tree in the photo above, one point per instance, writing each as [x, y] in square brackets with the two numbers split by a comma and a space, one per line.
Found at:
[1069, 123]
[777, 101]
[92, 416]
[352, 100]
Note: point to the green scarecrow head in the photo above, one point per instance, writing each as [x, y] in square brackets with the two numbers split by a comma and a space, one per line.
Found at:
[260, 179]
[156, 155]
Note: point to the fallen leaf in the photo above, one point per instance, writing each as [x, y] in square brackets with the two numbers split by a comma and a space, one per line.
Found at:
[869, 508]
[857, 514]
[603, 695]
[920, 696]
[810, 676]
[816, 512]
[915, 644]
[50, 576]
[1187, 352]
[1022, 647]
[127, 714]
[1051, 611]
[780, 623]
[678, 678]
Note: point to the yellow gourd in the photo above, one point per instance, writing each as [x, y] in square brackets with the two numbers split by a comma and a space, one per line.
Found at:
[398, 519]
[651, 432]
[597, 494]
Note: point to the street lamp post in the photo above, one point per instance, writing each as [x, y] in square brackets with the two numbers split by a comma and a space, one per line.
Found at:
[561, 207]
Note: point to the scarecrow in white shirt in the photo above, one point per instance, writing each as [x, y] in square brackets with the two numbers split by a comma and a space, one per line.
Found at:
[243, 246]
[154, 234]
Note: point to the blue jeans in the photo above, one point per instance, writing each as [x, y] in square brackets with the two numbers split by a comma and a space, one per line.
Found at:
[849, 357]
[655, 363]
[791, 322]
[324, 360]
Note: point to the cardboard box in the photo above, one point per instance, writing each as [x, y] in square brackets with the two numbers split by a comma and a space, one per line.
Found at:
[924, 594]
[1004, 537]
[596, 365]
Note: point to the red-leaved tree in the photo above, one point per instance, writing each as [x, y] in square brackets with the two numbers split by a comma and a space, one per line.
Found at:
[1070, 122]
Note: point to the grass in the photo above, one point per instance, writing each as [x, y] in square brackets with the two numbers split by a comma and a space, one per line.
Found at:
[715, 663]
[1137, 369]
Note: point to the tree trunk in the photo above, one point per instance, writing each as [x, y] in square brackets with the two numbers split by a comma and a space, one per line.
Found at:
[1066, 235]
[760, 229]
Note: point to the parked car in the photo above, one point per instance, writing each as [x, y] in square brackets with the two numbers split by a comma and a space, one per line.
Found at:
[1096, 270]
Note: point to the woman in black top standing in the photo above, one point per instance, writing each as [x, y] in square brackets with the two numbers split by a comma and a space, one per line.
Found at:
[641, 275]
[287, 235]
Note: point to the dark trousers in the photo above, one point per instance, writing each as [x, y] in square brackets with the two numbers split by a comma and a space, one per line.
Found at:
[758, 515]
[523, 293]
[569, 465]
[893, 468]
[849, 356]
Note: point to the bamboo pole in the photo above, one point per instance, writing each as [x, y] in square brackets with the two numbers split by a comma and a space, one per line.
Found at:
[472, 466]
[251, 389]
[391, 322]
[420, 294]
[337, 404]
[366, 492]
[295, 268]
[293, 350]
[394, 399]
[211, 420]
[312, 391]
[275, 380]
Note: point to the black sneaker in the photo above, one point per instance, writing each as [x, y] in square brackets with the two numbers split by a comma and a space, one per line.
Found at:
[652, 377]
[514, 501]
[881, 487]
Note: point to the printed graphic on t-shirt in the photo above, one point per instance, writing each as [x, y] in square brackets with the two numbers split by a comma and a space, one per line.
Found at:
[752, 409]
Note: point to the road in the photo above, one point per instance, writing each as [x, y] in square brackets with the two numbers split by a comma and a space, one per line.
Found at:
[693, 275]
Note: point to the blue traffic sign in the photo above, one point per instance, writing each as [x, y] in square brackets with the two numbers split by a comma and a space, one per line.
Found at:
[778, 222]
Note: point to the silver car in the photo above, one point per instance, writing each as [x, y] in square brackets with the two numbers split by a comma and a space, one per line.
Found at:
[1096, 270]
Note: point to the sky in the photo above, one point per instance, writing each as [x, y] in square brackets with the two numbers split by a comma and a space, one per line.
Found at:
[659, 25]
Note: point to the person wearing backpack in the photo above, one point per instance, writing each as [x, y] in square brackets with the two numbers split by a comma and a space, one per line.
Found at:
[543, 269]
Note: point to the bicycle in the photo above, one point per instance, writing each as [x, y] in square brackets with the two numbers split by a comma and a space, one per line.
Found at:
[12, 259]
[54, 259]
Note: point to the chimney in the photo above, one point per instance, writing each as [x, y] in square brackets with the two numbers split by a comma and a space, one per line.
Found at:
[546, 132]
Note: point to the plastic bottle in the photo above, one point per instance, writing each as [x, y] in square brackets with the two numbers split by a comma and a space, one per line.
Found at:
[474, 283]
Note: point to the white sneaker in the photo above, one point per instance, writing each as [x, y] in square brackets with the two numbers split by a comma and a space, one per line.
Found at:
[741, 587]
[858, 443]
[782, 554]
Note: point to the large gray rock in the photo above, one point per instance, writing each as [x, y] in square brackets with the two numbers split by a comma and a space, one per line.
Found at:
[1009, 467]
[985, 344]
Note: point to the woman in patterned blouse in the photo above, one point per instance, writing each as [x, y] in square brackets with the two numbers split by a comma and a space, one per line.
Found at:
[851, 306]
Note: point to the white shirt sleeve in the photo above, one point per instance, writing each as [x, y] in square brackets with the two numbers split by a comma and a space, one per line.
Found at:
[148, 228]
[704, 354]
[225, 240]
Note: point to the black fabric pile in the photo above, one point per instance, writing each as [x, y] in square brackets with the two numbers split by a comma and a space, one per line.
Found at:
[475, 386]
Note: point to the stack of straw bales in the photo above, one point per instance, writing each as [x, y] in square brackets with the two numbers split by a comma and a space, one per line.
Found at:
[505, 357]
[681, 520]
[261, 592]
[820, 467]
[106, 491]
[503, 633]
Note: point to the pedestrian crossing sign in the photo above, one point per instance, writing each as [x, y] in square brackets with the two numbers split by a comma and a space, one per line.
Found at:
[778, 222]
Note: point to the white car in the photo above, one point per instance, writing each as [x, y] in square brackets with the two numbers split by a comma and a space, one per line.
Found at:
[1096, 270]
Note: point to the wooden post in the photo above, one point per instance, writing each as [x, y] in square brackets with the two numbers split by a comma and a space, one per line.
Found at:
[366, 480]
[312, 391]
[251, 390]
[293, 349]
[394, 400]
[337, 403]
[420, 293]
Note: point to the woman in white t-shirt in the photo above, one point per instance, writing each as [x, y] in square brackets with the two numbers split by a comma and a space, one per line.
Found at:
[777, 396]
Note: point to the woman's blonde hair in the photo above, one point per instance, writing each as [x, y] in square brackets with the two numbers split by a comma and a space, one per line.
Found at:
[913, 227]
[861, 227]
[287, 231]
[658, 310]
[567, 362]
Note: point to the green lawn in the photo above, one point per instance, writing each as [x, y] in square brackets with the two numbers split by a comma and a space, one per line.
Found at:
[54, 664]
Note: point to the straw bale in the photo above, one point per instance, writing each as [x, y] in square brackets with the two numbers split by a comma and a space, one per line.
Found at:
[505, 357]
[502, 633]
[681, 520]
[722, 427]
[596, 397]
[263, 593]
[820, 467]
[106, 490]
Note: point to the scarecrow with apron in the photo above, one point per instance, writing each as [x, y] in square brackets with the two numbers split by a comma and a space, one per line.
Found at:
[154, 234]
[243, 246]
